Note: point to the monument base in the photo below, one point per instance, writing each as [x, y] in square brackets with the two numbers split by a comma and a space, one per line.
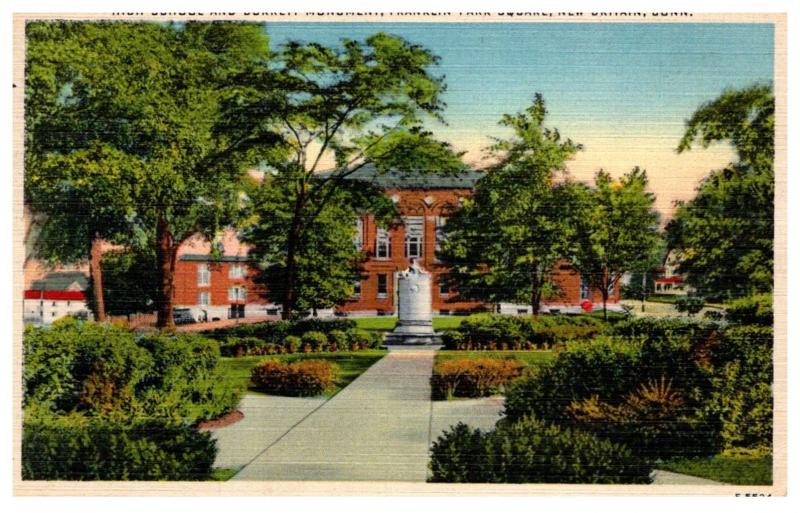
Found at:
[410, 332]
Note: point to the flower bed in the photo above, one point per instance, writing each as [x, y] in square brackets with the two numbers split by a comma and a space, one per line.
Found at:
[473, 377]
[301, 379]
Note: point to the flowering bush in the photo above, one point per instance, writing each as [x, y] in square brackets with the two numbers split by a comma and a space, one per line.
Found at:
[476, 377]
[303, 378]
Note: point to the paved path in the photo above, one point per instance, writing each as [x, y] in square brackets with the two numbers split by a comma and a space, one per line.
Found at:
[377, 429]
[664, 477]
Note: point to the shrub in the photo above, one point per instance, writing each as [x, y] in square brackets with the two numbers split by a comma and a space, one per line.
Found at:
[755, 310]
[473, 377]
[654, 421]
[292, 343]
[322, 325]
[316, 339]
[375, 340]
[185, 382]
[530, 451]
[742, 387]
[666, 327]
[611, 386]
[690, 304]
[604, 367]
[340, 339]
[242, 346]
[303, 378]
[362, 338]
[104, 370]
[75, 447]
[452, 340]
[488, 331]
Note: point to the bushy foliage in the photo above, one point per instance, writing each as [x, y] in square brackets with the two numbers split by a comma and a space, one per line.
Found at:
[105, 370]
[292, 343]
[242, 346]
[76, 447]
[185, 381]
[316, 340]
[666, 327]
[690, 304]
[742, 387]
[604, 367]
[365, 339]
[668, 388]
[303, 378]
[473, 377]
[756, 310]
[531, 451]
[493, 332]
[323, 325]
[655, 420]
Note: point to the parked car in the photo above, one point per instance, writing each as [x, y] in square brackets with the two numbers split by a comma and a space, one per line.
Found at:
[183, 316]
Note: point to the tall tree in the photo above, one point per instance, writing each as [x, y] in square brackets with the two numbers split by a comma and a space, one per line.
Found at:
[726, 232]
[357, 103]
[162, 96]
[327, 259]
[617, 232]
[503, 244]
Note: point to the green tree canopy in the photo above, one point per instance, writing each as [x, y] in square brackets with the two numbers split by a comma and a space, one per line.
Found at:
[327, 262]
[153, 101]
[357, 103]
[726, 233]
[503, 244]
[617, 232]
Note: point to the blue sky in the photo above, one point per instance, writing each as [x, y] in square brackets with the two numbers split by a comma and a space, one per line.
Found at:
[621, 89]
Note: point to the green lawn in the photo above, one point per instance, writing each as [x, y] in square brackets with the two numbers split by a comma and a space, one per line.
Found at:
[351, 365]
[739, 470]
[222, 474]
[529, 357]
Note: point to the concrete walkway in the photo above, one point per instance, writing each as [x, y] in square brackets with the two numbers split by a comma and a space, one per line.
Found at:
[376, 429]
[379, 428]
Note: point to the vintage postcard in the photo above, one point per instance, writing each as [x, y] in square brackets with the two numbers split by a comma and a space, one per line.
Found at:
[264, 253]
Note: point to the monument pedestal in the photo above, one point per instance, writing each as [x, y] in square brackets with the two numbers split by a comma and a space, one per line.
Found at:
[415, 319]
[412, 333]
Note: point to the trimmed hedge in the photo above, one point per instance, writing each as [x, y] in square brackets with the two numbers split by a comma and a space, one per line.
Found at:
[303, 378]
[531, 451]
[501, 332]
[276, 331]
[473, 377]
[74, 447]
[285, 338]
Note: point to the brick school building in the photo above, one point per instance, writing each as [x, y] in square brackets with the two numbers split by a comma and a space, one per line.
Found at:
[225, 287]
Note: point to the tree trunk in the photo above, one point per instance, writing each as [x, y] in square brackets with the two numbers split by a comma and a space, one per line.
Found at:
[166, 253]
[291, 267]
[96, 271]
[536, 292]
[604, 294]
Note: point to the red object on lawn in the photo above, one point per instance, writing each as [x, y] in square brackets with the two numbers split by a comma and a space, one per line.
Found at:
[587, 306]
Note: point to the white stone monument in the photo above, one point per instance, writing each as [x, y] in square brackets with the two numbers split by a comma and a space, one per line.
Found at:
[415, 319]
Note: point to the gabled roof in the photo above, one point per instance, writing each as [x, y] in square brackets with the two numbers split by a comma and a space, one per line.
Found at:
[75, 281]
[416, 179]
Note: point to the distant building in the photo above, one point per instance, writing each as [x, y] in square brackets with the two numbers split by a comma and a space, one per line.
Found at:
[668, 280]
[224, 287]
[57, 295]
